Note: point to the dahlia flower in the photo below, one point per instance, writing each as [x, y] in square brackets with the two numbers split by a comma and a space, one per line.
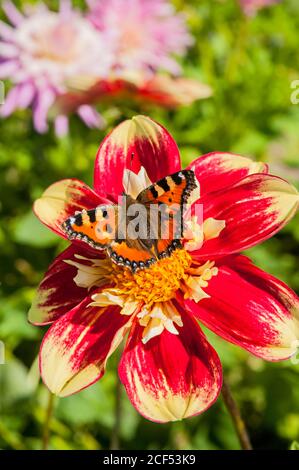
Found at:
[161, 90]
[168, 368]
[145, 35]
[41, 51]
[250, 7]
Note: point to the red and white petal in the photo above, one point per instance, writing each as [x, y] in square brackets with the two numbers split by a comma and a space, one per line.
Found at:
[218, 170]
[252, 309]
[172, 376]
[134, 143]
[171, 91]
[57, 293]
[62, 199]
[75, 350]
[253, 210]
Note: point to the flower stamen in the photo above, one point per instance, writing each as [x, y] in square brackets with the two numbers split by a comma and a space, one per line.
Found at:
[158, 283]
[147, 293]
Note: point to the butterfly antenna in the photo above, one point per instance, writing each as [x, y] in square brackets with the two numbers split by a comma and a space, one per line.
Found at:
[130, 167]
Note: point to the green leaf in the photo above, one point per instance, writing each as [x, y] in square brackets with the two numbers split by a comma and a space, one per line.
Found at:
[15, 384]
[29, 230]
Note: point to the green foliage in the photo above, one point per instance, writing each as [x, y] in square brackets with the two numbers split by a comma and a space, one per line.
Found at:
[250, 63]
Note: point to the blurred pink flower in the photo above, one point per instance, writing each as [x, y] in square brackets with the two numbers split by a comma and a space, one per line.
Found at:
[41, 51]
[146, 34]
[250, 7]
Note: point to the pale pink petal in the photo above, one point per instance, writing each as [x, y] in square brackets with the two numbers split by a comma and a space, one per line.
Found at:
[10, 102]
[8, 68]
[65, 7]
[12, 13]
[8, 50]
[90, 116]
[44, 101]
[6, 31]
[61, 125]
[26, 95]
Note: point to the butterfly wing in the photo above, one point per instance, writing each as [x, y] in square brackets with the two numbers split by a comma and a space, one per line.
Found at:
[97, 227]
[173, 189]
[131, 253]
[170, 193]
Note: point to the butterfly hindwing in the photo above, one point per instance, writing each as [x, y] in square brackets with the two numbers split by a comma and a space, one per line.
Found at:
[95, 226]
[131, 253]
[98, 227]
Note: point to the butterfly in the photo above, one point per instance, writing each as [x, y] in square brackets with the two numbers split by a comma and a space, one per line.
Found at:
[137, 232]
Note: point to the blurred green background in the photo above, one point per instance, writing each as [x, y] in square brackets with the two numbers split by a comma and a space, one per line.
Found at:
[250, 63]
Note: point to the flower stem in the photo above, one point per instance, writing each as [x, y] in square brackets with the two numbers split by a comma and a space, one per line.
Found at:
[236, 417]
[46, 426]
[115, 444]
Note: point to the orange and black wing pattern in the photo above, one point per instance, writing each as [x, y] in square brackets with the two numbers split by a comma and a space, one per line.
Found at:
[96, 227]
[131, 254]
[171, 194]
[171, 190]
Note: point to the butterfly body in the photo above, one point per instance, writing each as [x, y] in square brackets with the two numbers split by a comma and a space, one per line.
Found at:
[137, 232]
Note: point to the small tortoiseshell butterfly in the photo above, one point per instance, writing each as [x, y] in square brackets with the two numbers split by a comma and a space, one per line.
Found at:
[160, 221]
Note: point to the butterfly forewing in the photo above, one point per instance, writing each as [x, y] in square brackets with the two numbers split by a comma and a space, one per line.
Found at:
[171, 194]
[97, 227]
[171, 190]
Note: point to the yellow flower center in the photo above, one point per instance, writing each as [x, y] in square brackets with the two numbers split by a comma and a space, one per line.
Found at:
[148, 292]
[158, 283]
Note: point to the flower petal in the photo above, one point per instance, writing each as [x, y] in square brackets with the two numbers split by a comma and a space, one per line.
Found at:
[252, 309]
[61, 124]
[11, 101]
[45, 98]
[253, 210]
[12, 13]
[75, 350]
[219, 170]
[134, 143]
[171, 376]
[135, 183]
[62, 199]
[57, 293]
[91, 117]
[6, 31]
[168, 91]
